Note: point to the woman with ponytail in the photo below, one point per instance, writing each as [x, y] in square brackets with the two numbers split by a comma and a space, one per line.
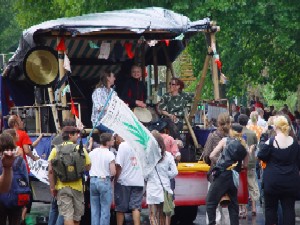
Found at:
[232, 152]
[281, 175]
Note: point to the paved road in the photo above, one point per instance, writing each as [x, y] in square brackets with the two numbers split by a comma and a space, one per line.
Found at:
[43, 209]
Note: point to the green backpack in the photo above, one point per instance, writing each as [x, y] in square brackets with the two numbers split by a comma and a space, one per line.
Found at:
[69, 163]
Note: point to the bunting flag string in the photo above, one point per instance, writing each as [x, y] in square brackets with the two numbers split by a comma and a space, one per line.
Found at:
[61, 45]
[74, 109]
[128, 48]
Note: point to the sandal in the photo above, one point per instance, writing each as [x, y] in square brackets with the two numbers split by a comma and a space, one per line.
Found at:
[243, 214]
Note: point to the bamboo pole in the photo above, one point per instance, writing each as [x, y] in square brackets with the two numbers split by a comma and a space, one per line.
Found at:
[37, 119]
[191, 130]
[155, 68]
[168, 79]
[53, 109]
[169, 63]
[214, 68]
[65, 113]
[199, 87]
[143, 61]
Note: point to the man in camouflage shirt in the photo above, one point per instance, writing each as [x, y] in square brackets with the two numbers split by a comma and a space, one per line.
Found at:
[172, 106]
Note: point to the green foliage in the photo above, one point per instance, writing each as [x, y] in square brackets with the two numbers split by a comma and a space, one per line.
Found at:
[255, 36]
[270, 97]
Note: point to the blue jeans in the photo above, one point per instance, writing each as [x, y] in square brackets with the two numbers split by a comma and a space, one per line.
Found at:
[101, 199]
[54, 217]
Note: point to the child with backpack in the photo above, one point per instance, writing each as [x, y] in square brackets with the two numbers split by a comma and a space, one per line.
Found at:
[11, 203]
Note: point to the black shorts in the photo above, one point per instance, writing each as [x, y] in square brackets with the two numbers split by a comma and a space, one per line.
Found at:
[128, 198]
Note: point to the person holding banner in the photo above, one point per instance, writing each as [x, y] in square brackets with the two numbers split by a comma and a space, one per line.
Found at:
[129, 184]
[99, 97]
[172, 106]
[134, 92]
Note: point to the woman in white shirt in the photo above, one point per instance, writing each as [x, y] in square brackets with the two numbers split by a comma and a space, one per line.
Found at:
[158, 181]
[99, 97]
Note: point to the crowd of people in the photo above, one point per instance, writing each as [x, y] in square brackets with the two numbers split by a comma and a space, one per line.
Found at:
[271, 140]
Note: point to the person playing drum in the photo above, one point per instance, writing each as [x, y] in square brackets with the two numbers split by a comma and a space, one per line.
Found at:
[134, 92]
[172, 106]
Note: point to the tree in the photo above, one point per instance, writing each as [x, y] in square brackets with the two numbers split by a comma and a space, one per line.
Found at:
[257, 42]
[10, 31]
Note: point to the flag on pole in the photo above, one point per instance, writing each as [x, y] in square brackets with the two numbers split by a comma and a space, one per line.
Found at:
[121, 120]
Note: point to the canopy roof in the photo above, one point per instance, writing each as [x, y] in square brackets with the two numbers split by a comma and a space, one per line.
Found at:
[127, 31]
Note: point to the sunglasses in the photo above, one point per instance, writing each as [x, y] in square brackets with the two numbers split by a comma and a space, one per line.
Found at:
[172, 84]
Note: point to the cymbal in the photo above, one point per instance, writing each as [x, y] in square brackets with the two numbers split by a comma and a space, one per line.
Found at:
[41, 66]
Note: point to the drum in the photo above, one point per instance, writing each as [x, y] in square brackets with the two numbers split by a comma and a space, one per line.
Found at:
[143, 114]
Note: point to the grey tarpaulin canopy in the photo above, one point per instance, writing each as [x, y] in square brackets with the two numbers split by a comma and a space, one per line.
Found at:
[83, 34]
[126, 31]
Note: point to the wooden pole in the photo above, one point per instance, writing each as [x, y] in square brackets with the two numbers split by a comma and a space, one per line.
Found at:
[155, 68]
[53, 108]
[191, 131]
[168, 79]
[199, 87]
[214, 68]
[65, 113]
[143, 61]
[37, 119]
[169, 63]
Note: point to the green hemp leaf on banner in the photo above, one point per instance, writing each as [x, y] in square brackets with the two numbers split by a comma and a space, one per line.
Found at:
[138, 131]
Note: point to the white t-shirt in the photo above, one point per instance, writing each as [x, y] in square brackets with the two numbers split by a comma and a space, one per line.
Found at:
[131, 174]
[100, 160]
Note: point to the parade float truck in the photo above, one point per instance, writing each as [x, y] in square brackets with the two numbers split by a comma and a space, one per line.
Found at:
[53, 73]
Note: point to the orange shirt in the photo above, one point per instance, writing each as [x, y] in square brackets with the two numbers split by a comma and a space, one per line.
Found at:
[24, 139]
[257, 129]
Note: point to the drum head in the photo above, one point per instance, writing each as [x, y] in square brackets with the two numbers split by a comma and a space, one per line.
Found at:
[143, 114]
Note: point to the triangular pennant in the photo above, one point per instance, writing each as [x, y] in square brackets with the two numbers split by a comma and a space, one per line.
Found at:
[219, 64]
[74, 110]
[65, 90]
[93, 45]
[180, 37]
[128, 48]
[61, 45]
[67, 64]
[104, 50]
[167, 42]
[79, 124]
[152, 43]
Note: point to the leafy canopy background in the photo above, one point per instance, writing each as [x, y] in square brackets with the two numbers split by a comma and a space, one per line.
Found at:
[258, 42]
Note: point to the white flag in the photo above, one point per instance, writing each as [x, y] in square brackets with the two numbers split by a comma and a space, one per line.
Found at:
[67, 64]
[104, 50]
[121, 120]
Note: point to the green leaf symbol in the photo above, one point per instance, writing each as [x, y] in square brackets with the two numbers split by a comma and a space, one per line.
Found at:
[138, 131]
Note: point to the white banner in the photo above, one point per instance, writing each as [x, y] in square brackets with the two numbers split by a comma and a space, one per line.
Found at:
[39, 168]
[121, 120]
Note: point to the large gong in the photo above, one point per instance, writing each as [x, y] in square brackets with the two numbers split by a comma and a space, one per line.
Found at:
[41, 65]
